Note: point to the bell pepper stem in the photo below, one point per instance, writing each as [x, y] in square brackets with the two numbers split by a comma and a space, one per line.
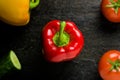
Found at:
[62, 26]
[61, 38]
[34, 3]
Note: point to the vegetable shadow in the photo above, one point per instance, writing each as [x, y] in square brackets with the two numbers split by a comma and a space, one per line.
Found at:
[8, 34]
[107, 26]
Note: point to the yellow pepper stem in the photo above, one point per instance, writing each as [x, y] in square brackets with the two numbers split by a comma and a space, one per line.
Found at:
[34, 3]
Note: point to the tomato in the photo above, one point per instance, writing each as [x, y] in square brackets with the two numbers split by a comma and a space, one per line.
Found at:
[111, 10]
[109, 65]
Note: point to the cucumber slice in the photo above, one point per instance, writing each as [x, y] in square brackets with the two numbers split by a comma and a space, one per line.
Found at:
[15, 60]
[9, 63]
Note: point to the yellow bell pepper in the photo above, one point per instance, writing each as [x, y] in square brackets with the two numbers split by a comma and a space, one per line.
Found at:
[16, 12]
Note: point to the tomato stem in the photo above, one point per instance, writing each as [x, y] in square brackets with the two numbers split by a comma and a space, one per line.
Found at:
[115, 5]
[115, 65]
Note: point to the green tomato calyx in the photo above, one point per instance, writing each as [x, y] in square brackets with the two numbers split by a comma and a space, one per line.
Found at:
[115, 65]
[115, 5]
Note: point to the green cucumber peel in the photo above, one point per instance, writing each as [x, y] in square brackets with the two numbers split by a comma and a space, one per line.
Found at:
[9, 63]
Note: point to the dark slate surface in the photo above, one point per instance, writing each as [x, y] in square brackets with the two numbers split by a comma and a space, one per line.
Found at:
[100, 36]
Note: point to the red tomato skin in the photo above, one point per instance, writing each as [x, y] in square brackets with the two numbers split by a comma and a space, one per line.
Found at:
[109, 13]
[104, 66]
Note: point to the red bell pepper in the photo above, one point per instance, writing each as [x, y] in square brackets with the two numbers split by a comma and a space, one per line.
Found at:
[62, 41]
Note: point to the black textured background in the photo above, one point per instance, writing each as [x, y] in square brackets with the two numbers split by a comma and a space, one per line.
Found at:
[100, 36]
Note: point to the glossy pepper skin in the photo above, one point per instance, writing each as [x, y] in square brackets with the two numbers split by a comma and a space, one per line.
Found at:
[65, 52]
[16, 12]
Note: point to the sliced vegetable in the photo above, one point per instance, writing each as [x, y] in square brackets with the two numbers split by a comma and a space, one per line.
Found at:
[9, 63]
